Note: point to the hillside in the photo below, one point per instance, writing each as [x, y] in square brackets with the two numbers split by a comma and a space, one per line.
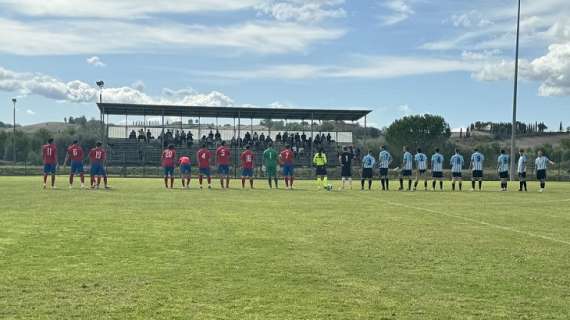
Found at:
[53, 127]
[553, 139]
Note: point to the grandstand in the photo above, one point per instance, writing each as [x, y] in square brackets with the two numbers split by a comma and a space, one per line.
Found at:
[141, 144]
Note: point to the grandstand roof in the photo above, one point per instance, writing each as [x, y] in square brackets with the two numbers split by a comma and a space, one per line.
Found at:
[231, 112]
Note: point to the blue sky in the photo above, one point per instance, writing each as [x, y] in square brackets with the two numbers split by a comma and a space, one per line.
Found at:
[397, 57]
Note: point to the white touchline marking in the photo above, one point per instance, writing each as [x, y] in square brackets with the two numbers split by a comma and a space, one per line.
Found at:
[496, 226]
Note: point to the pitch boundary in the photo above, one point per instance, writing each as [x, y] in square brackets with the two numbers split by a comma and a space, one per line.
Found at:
[483, 223]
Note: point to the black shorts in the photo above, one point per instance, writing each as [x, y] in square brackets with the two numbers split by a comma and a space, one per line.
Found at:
[437, 174]
[346, 172]
[367, 173]
[422, 172]
[522, 175]
[321, 171]
[456, 174]
[383, 172]
[504, 175]
[541, 174]
[477, 174]
[406, 173]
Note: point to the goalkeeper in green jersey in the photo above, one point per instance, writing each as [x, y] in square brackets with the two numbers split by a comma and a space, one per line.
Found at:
[270, 162]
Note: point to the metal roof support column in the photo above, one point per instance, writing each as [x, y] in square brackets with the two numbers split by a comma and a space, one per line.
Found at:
[162, 135]
[312, 139]
[126, 125]
[199, 128]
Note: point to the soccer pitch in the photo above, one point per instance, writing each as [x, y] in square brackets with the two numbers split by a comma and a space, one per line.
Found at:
[142, 252]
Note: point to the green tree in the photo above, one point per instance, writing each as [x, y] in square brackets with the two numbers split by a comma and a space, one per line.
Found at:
[425, 131]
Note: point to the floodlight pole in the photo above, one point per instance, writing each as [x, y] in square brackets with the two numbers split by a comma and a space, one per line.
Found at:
[14, 132]
[514, 124]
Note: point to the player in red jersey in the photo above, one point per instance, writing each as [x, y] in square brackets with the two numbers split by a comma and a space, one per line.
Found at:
[98, 158]
[75, 156]
[204, 156]
[185, 170]
[49, 155]
[247, 160]
[223, 157]
[168, 160]
[286, 159]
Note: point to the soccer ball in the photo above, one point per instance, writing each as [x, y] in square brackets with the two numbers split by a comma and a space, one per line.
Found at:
[330, 187]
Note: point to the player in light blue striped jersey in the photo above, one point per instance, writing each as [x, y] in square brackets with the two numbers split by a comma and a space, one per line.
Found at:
[368, 163]
[421, 165]
[477, 160]
[437, 169]
[541, 165]
[521, 170]
[503, 168]
[384, 161]
[457, 163]
[407, 167]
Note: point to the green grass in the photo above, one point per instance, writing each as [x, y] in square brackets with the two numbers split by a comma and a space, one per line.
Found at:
[141, 252]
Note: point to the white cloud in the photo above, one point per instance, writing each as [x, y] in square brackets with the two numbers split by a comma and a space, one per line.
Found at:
[138, 85]
[95, 61]
[303, 10]
[30, 112]
[55, 37]
[124, 9]
[552, 70]
[80, 92]
[405, 110]
[367, 67]
[400, 10]
[470, 19]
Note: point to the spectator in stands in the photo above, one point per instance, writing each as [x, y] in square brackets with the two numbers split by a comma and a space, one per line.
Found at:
[141, 135]
[357, 153]
[329, 138]
[182, 137]
[211, 136]
[262, 137]
[268, 140]
[323, 138]
[278, 137]
[218, 136]
[177, 138]
[247, 137]
[297, 137]
[133, 135]
[255, 137]
[304, 137]
[239, 142]
[148, 135]
[233, 142]
[317, 139]
[285, 137]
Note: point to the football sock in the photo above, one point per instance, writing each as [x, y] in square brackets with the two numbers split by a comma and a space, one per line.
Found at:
[45, 178]
[325, 181]
[270, 182]
[525, 186]
[287, 182]
[433, 185]
[401, 183]
[105, 181]
[276, 182]
[460, 185]
[98, 181]
[188, 182]
[82, 177]
[251, 183]
[227, 183]
[200, 179]
[409, 184]
[480, 184]
[521, 185]
[425, 184]
[171, 183]
[473, 184]
[209, 180]
[319, 183]
[369, 184]
[222, 182]
[387, 184]
[166, 182]
[362, 184]
[183, 183]
[242, 183]
[415, 184]
[542, 185]
[441, 185]
[291, 179]
[70, 179]
[53, 180]
[453, 186]
[383, 184]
